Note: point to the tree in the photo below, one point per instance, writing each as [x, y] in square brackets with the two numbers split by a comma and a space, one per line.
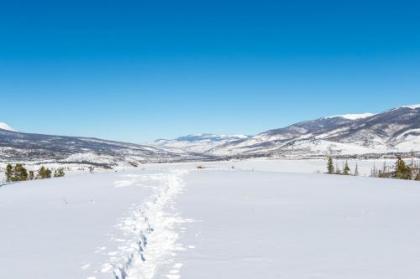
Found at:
[31, 175]
[402, 171]
[9, 173]
[59, 172]
[44, 172]
[21, 173]
[330, 165]
[374, 171]
[346, 170]
[356, 170]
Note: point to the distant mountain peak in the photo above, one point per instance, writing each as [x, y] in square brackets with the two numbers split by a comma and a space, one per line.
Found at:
[209, 136]
[412, 106]
[354, 116]
[6, 127]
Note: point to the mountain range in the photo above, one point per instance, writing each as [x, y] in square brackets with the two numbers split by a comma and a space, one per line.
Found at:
[393, 131]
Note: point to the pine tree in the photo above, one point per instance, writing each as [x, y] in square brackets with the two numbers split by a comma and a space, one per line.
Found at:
[20, 173]
[9, 173]
[402, 171]
[44, 172]
[346, 170]
[330, 165]
[356, 170]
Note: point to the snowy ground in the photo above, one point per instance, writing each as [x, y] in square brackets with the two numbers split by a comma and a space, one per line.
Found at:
[244, 219]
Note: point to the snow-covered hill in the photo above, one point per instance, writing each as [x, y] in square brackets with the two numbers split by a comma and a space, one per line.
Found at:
[5, 126]
[396, 130]
[174, 221]
[200, 143]
[47, 149]
[393, 131]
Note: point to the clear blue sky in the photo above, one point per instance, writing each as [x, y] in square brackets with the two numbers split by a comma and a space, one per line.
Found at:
[140, 70]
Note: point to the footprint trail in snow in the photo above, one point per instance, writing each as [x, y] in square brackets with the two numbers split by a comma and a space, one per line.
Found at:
[149, 234]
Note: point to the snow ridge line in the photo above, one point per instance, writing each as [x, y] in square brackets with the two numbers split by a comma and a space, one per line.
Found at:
[152, 233]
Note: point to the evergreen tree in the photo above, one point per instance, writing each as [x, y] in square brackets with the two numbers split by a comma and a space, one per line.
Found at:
[20, 173]
[9, 173]
[330, 165]
[356, 170]
[346, 170]
[402, 171]
[44, 172]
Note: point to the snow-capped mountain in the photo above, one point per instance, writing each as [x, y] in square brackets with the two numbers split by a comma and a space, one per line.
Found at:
[199, 143]
[354, 116]
[5, 126]
[396, 130]
[37, 148]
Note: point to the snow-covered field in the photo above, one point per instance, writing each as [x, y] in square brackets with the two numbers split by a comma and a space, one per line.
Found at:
[236, 219]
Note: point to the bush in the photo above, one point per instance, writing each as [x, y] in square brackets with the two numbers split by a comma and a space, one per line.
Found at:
[9, 173]
[20, 173]
[44, 172]
[59, 172]
[16, 173]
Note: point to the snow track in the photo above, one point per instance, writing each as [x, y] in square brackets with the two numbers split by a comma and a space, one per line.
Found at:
[149, 234]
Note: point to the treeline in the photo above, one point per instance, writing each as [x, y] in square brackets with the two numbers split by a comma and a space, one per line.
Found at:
[335, 169]
[400, 170]
[19, 173]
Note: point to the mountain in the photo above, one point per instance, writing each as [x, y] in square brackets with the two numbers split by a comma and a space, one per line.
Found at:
[6, 127]
[199, 143]
[396, 130]
[37, 148]
[393, 131]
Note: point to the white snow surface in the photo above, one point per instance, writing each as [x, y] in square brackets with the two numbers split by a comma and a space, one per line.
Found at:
[412, 106]
[354, 116]
[5, 126]
[199, 143]
[234, 219]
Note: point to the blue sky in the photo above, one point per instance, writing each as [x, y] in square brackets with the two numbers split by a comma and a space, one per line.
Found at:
[140, 70]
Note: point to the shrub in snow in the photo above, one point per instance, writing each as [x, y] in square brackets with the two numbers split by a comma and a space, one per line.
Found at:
[16, 173]
[44, 172]
[59, 172]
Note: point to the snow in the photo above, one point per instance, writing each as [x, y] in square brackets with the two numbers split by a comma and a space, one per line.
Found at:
[197, 143]
[5, 126]
[412, 106]
[272, 225]
[354, 116]
[235, 219]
